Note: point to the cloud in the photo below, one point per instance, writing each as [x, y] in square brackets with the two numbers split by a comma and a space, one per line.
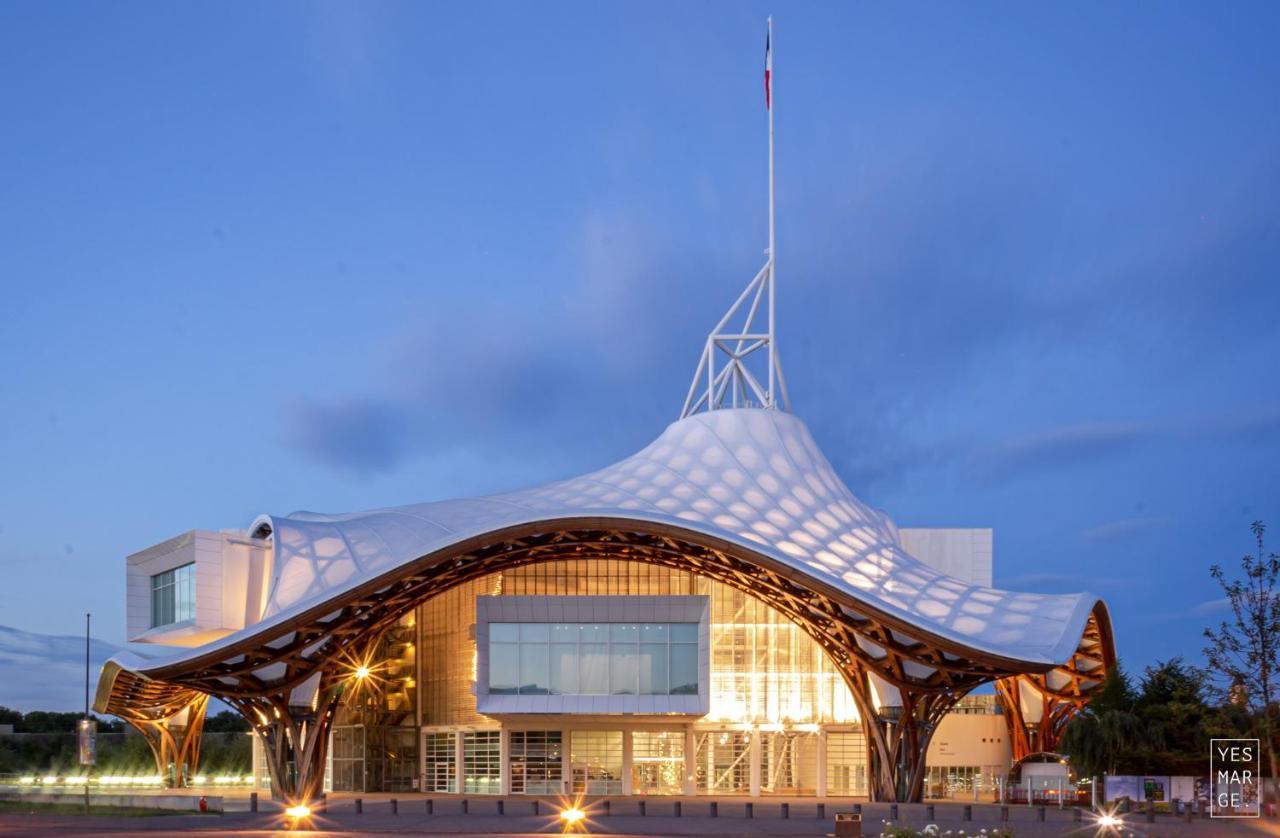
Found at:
[46, 672]
[1060, 447]
[1122, 529]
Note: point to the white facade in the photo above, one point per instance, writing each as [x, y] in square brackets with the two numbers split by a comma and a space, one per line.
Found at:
[231, 577]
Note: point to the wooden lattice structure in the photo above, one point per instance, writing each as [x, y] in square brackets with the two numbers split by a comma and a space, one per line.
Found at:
[1037, 707]
[287, 678]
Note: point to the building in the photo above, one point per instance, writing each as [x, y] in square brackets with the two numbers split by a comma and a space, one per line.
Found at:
[715, 614]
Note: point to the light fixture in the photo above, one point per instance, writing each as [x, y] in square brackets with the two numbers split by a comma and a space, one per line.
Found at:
[1110, 820]
[298, 812]
[362, 672]
[573, 815]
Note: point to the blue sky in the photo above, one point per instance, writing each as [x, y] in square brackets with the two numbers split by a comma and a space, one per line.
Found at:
[267, 257]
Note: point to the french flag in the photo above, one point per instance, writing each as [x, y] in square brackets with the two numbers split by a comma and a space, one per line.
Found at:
[768, 66]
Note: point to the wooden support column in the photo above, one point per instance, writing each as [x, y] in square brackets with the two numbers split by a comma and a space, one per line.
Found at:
[174, 740]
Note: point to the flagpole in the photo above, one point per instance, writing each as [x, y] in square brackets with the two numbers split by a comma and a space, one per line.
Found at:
[773, 348]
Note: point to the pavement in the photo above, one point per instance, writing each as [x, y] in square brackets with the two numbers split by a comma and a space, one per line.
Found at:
[623, 819]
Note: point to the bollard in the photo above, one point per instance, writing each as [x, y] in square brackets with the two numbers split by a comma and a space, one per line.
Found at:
[431, 806]
[253, 801]
[395, 806]
[359, 806]
[643, 810]
[786, 811]
[715, 809]
[464, 806]
[822, 811]
[968, 812]
[857, 808]
[679, 809]
[1077, 815]
[1004, 814]
[1151, 811]
[608, 808]
[535, 807]
[751, 810]
[1040, 814]
[324, 803]
[502, 808]
[929, 810]
[893, 811]
[1186, 813]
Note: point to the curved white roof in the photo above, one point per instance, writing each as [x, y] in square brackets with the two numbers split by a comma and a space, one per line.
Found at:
[751, 477]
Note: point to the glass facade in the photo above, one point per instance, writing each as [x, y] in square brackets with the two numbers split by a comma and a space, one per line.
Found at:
[846, 763]
[764, 668]
[723, 762]
[173, 596]
[440, 762]
[593, 658]
[657, 762]
[536, 758]
[596, 760]
[789, 762]
[482, 762]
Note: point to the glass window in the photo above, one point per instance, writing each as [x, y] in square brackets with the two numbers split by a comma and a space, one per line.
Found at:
[846, 763]
[596, 757]
[482, 762]
[684, 669]
[653, 669]
[534, 632]
[789, 763]
[593, 659]
[723, 762]
[173, 596]
[536, 762]
[504, 666]
[440, 762]
[654, 633]
[533, 668]
[624, 669]
[564, 668]
[657, 762]
[504, 632]
[623, 633]
[684, 632]
[595, 669]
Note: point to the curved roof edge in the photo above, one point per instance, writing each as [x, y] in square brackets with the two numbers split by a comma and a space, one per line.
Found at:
[751, 479]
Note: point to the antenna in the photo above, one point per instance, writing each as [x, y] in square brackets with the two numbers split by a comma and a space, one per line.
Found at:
[734, 384]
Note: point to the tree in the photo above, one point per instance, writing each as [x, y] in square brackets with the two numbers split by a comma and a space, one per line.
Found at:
[226, 722]
[1244, 652]
[1106, 733]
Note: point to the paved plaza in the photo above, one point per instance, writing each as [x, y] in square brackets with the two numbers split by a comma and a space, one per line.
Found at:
[623, 818]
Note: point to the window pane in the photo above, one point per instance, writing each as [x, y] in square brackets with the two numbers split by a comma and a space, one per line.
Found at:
[684, 669]
[504, 666]
[594, 633]
[684, 632]
[504, 632]
[535, 632]
[533, 669]
[624, 665]
[564, 633]
[654, 633]
[595, 669]
[653, 668]
[564, 668]
[624, 633]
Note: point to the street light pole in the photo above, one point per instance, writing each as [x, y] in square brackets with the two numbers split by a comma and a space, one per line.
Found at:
[89, 769]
